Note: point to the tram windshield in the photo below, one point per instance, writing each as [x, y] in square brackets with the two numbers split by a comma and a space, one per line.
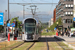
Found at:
[30, 27]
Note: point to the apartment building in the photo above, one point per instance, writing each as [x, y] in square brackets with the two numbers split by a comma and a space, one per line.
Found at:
[50, 22]
[64, 9]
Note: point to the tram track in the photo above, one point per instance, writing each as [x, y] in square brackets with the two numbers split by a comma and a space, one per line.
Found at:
[31, 46]
[47, 44]
[17, 46]
[59, 43]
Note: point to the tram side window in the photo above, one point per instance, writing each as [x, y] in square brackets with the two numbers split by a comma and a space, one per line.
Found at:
[37, 31]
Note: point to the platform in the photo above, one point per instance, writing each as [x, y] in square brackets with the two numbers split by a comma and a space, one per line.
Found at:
[70, 41]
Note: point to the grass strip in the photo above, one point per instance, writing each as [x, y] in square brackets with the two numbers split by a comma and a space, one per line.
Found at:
[54, 46]
[48, 33]
[8, 47]
[66, 47]
[39, 46]
[24, 46]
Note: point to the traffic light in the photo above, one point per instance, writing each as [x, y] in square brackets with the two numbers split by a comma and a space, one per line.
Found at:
[8, 20]
[73, 23]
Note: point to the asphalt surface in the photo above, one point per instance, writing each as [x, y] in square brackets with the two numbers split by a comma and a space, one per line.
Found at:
[2, 38]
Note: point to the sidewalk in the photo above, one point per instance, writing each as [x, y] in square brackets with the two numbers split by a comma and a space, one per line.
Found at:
[3, 39]
[70, 41]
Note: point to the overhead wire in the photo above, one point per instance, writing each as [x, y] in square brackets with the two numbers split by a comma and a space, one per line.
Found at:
[24, 0]
[43, 1]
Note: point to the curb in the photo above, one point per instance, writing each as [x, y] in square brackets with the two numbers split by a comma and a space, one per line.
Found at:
[65, 42]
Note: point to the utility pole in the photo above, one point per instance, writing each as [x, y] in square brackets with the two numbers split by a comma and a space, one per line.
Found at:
[8, 9]
[23, 11]
[5, 21]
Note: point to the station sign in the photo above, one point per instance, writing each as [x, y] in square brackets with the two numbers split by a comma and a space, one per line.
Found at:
[1, 18]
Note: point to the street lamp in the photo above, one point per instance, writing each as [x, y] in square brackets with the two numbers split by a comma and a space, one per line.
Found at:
[57, 25]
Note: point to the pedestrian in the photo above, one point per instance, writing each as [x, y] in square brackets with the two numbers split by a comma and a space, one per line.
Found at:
[58, 32]
[15, 36]
[69, 33]
[66, 32]
[62, 33]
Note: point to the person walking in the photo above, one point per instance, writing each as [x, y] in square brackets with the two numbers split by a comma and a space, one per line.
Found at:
[69, 33]
[62, 33]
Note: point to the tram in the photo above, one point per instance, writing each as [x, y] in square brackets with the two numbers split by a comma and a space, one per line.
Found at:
[31, 29]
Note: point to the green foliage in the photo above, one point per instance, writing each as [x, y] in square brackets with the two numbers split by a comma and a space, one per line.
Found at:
[19, 22]
[55, 24]
[48, 33]
[44, 25]
[1, 28]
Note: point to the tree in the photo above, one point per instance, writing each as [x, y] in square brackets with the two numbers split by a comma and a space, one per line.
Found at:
[18, 22]
[55, 24]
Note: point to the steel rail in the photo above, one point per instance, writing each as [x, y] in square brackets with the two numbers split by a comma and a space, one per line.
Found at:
[17, 46]
[30, 46]
[47, 43]
[59, 44]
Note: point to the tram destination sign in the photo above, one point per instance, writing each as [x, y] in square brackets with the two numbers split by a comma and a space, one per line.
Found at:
[1, 18]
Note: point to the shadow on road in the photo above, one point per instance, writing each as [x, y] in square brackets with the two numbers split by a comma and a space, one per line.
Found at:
[49, 39]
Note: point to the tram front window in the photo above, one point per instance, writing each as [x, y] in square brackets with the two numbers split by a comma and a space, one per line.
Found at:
[30, 28]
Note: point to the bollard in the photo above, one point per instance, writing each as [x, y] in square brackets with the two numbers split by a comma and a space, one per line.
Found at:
[8, 36]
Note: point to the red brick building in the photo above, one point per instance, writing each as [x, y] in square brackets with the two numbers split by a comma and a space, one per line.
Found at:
[54, 15]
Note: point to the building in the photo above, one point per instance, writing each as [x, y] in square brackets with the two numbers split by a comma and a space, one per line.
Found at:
[64, 9]
[54, 15]
[50, 22]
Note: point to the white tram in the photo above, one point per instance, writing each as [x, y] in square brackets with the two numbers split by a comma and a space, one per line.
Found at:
[31, 29]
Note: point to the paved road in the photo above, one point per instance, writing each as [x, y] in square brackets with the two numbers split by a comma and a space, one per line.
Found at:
[2, 38]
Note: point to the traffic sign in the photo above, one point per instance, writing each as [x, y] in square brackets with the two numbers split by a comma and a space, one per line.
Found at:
[8, 24]
[74, 19]
[1, 18]
[13, 24]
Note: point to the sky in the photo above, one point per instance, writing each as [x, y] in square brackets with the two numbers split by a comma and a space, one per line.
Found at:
[43, 12]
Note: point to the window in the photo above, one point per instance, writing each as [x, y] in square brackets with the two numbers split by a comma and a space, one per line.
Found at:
[65, 12]
[66, 5]
[69, 21]
[71, 5]
[71, 12]
[63, 20]
[71, 0]
[68, 12]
